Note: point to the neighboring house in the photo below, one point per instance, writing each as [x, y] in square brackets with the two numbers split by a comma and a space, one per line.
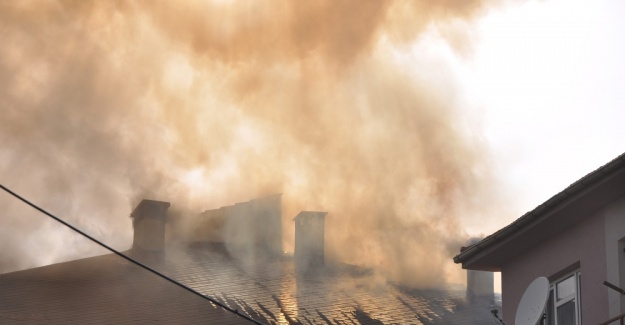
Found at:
[231, 255]
[576, 239]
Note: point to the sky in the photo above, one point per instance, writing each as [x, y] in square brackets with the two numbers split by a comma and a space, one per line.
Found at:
[423, 123]
[549, 79]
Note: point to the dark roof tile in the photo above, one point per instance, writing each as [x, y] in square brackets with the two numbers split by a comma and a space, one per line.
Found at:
[110, 290]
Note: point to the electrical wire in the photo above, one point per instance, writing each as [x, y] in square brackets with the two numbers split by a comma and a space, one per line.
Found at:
[128, 258]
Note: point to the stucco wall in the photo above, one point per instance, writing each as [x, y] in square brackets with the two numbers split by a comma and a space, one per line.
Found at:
[583, 243]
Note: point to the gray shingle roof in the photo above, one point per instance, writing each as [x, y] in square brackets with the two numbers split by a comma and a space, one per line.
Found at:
[100, 290]
[107, 289]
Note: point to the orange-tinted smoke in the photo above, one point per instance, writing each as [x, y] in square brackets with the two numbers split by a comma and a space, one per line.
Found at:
[204, 104]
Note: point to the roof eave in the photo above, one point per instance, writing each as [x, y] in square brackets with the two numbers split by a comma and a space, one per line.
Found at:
[611, 176]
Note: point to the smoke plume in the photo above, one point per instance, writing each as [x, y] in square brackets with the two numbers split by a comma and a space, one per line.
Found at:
[204, 104]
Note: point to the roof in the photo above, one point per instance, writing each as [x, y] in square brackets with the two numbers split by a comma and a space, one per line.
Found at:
[101, 290]
[107, 289]
[565, 209]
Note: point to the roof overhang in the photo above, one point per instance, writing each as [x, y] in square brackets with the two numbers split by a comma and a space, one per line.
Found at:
[562, 211]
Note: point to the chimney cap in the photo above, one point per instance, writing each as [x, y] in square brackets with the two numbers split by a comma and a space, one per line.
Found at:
[310, 214]
[150, 209]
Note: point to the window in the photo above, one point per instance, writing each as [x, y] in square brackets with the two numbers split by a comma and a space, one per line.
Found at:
[563, 306]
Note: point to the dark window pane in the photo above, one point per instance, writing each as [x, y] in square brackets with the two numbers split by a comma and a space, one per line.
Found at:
[566, 313]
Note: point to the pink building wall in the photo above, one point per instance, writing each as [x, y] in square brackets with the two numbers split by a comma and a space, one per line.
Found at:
[583, 243]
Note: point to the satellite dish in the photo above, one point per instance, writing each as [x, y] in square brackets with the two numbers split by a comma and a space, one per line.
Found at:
[532, 305]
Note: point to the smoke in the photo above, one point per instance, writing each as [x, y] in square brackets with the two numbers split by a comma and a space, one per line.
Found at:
[204, 104]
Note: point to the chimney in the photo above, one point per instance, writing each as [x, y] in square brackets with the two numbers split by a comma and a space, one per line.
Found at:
[267, 221]
[480, 287]
[253, 229]
[148, 221]
[480, 284]
[309, 239]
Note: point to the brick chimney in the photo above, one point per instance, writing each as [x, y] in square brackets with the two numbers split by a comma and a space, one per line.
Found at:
[309, 239]
[148, 221]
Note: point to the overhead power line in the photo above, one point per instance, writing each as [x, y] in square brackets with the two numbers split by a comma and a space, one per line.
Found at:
[128, 258]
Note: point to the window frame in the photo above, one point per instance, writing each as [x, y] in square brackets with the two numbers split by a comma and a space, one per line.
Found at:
[554, 303]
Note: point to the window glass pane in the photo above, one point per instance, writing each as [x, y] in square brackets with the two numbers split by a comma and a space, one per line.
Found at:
[566, 287]
[566, 313]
